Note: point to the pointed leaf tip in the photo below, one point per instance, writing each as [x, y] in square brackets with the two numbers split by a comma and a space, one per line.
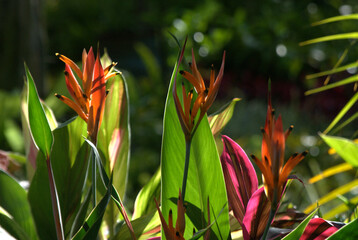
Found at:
[39, 125]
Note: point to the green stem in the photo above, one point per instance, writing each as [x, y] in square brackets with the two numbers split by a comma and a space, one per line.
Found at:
[94, 179]
[55, 202]
[272, 215]
[186, 166]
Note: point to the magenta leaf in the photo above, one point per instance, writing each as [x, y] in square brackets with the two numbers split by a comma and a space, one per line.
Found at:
[257, 214]
[240, 177]
[318, 229]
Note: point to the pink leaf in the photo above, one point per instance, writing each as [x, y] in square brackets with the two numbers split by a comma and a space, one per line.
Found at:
[240, 177]
[257, 214]
[318, 229]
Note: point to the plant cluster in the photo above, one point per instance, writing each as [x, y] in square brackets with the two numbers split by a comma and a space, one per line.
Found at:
[206, 186]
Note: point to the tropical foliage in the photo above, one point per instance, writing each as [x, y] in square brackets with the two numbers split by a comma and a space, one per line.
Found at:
[206, 186]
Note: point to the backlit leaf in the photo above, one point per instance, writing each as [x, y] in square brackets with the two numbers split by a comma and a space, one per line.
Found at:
[39, 124]
[333, 194]
[348, 232]
[297, 232]
[204, 173]
[218, 120]
[352, 35]
[345, 148]
[331, 171]
[144, 202]
[14, 200]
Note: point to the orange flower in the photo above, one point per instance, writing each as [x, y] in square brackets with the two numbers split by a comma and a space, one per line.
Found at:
[205, 96]
[274, 171]
[88, 101]
[170, 232]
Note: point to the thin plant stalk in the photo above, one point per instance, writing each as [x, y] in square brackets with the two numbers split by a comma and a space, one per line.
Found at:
[272, 215]
[55, 202]
[186, 165]
[273, 210]
[94, 179]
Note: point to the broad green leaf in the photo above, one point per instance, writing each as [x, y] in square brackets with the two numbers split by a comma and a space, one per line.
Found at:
[90, 228]
[340, 209]
[218, 120]
[69, 161]
[348, 232]
[50, 116]
[39, 124]
[331, 171]
[348, 80]
[12, 228]
[39, 197]
[144, 202]
[114, 140]
[352, 35]
[336, 19]
[345, 148]
[344, 110]
[81, 214]
[333, 194]
[298, 231]
[14, 200]
[108, 184]
[116, 116]
[204, 173]
[142, 226]
[332, 71]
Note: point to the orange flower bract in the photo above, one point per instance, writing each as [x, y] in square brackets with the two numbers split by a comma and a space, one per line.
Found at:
[88, 101]
[205, 96]
[275, 172]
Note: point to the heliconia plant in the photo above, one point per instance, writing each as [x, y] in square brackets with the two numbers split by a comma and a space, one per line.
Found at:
[78, 169]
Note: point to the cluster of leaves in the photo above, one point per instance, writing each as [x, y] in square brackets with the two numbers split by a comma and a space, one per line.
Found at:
[62, 186]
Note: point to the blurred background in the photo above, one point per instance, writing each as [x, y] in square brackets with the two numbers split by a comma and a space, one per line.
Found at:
[262, 42]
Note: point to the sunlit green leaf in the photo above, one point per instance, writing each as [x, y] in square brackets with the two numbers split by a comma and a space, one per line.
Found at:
[114, 138]
[144, 202]
[336, 19]
[343, 111]
[345, 148]
[116, 116]
[39, 124]
[298, 231]
[90, 228]
[106, 182]
[333, 194]
[141, 226]
[218, 120]
[40, 200]
[204, 173]
[340, 209]
[352, 35]
[69, 161]
[332, 71]
[13, 198]
[348, 232]
[331, 171]
[12, 228]
[348, 80]
[81, 214]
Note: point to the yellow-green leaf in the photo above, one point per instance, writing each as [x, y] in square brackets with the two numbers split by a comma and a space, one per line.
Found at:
[39, 125]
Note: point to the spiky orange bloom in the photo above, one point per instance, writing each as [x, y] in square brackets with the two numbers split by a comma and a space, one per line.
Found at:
[205, 96]
[170, 232]
[275, 172]
[88, 101]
